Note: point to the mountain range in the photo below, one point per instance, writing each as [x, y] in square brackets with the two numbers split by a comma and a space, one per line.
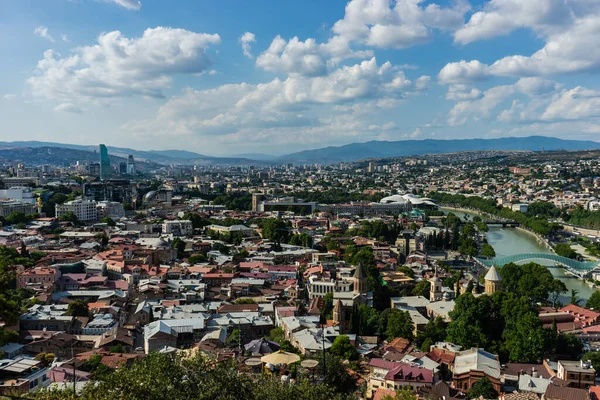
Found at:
[326, 155]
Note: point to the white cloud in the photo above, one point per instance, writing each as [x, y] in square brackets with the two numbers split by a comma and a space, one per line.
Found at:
[574, 104]
[501, 17]
[422, 82]
[118, 66]
[536, 86]
[404, 23]
[68, 107]
[65, 38]
[567, 27]
[481, 107]
[296, 102]
[461, 92]
[246, 40]
[533, 100]
[128, 4]
[462, 72]
[9, 96]
[42, 32]
[306, 58]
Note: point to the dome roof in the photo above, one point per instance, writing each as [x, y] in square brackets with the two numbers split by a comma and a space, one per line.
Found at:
[493, 275]
[151, 195]
[407, 198]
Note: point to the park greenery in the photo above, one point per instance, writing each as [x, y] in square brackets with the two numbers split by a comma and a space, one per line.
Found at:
[536, 218]
[13, 301]
[507, 322]
[176, 377]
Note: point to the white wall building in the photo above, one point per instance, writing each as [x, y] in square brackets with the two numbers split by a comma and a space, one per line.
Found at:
[22, 194]
[111, 209]
[85, 210]
[178, 228]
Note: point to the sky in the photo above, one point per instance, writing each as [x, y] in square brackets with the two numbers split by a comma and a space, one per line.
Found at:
[234, 77]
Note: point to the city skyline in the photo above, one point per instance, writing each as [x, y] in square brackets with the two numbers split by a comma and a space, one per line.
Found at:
[279, 77]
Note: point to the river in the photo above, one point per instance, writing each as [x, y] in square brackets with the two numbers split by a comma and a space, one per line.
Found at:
[509, 241]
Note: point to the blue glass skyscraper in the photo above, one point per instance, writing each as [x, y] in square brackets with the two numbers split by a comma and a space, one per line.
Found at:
[105, 171]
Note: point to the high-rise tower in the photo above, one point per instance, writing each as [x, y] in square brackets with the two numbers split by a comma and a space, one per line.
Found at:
[105, 171]
[130, 165]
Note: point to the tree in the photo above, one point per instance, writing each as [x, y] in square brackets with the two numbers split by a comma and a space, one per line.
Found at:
[482, 388]
[594, 301]
[338, 377]
[197, 221]
[233, 340]
[399, 324]
[531, 280]
[220, 247]
[276, 230]
[487, 251]
[118, 348]
[109, 221]
[69, 217]
[364, 320]
[434, 331]
[594, 358]
[327, 310]
[525, 339]
[574, 300]
[276, 335]
[421, 288]
[179, 245]
[78, 308]
[45, 358]
[197, 259]
[565, 250]
[342, 348]
[408, 271]
[403, 393]
[569, 345]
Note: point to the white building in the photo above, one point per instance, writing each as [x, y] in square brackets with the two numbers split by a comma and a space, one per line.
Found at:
[22, 194]
[178, 228]
[244, 230]
[318, 287]
[85, 210]
[111, 209]
[520, 207]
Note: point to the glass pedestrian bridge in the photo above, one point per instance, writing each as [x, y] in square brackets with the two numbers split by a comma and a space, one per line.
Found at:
[580, 267]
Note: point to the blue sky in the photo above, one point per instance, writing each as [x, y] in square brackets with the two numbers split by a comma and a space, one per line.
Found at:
[236, 77]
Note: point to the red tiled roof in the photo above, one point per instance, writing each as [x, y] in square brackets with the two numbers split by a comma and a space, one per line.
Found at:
[383, 393]
[404, 372]
[381, 363]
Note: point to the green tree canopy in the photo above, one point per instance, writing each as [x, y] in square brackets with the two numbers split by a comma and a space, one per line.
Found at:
[78, 308]
[594, 301]
[197, 259]
[399, 324]
[482, 388]
[341, 347]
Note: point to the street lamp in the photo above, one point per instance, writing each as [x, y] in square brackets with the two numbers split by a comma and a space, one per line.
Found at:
[323, 322]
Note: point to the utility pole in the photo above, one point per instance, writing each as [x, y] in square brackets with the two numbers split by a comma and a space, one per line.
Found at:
[74, 376]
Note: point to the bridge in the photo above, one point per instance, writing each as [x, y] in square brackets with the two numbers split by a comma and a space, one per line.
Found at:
[579, 268]
[504, 223]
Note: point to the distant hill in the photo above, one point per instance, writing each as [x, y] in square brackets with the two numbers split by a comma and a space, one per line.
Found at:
[257, 156]
[326, 155]
[156, 156]
[384, 149]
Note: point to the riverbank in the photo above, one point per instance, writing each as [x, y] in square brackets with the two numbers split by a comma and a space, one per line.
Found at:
[540, 239]
[511, 241]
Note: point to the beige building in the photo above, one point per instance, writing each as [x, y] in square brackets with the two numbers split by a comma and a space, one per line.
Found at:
[579, 374]
[493, 281]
